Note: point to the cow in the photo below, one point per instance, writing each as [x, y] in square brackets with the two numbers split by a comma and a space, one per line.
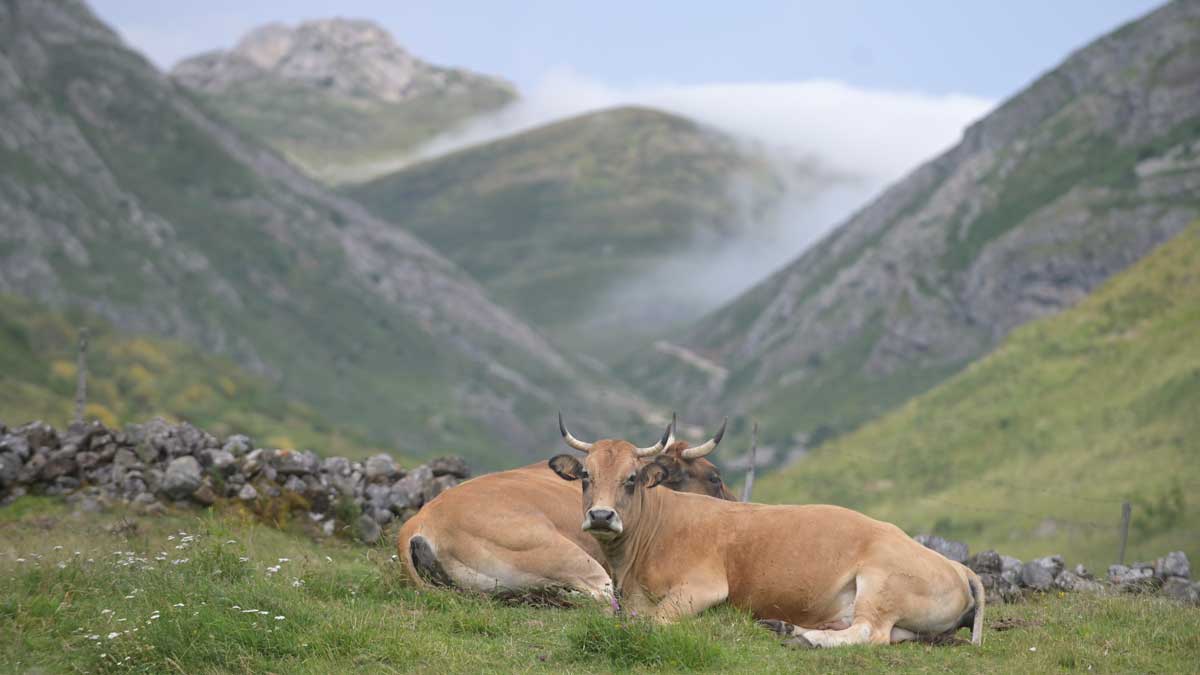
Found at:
[517, 532]
[820, 575]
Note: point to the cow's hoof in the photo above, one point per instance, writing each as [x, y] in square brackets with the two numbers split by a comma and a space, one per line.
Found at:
[780, 628]
[799, 642]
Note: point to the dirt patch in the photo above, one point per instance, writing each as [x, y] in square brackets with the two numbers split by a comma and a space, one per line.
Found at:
[1011, 622]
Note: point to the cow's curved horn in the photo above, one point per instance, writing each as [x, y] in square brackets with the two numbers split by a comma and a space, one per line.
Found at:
[667, 437]
[571, 440]
[706, 447]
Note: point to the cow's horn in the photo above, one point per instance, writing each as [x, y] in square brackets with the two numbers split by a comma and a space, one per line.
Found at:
[571, 440]
[707, 447]
[667, 437]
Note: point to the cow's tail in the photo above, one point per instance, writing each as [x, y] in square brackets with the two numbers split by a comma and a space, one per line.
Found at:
[406, 550]
[980, 597]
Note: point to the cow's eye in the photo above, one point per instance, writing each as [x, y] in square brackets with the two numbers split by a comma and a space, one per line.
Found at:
[716, 478]
[631, 481]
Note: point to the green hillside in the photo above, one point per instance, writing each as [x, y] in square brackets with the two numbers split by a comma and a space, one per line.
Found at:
[1032, 449]
[553, 220]
[133, 378]
[1066, 183]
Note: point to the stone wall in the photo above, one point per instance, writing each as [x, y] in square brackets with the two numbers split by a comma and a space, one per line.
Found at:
[158, 463]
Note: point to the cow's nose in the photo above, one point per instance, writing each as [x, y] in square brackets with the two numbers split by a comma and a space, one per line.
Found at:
[601, 516]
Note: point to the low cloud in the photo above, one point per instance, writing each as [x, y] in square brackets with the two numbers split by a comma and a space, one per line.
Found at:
[855, 140]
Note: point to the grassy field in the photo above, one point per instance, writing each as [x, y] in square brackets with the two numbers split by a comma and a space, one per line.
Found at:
[1032, 449]
[193, 593]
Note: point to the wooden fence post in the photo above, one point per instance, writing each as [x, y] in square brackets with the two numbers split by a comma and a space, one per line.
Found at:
[1126, 512]
[81, 376]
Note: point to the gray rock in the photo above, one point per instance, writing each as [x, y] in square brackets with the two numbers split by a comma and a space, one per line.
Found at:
[410, 490]
[954, 550]
[182, 477]
[1039, 574]
[439, 485]
[291, 462]
[87, 459]
[381, 469]
[38, 434]
[1174, 564]
[367, 530]
[10, 468]
[380, 515]
[125, 458]
[986, 562]
[237, 445]
[1136, 579]
[1083, 572]
[1071, 582]
[450, 466]
[221, 461]
[255, 460]
[336, 466]
[205, 495]
[59, 463]
[247, 493]
[294, 484]
[1182, 590]
[16, 445]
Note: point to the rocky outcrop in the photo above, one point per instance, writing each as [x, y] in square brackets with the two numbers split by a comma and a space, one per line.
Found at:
[354, 58]
[157, 464]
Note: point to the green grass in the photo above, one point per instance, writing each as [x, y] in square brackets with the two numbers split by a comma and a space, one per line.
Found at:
[133, 378]
[1032, 449]
[68, 584]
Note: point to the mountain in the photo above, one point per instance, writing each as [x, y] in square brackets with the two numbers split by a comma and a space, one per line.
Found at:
[1066, 183]
[338, 97]
[132, 378]
[560, 223]
[1033, 448]
[122, 197]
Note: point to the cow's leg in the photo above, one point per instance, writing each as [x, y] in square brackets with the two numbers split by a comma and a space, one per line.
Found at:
[558, 562]
[690, 598]
[872, 623]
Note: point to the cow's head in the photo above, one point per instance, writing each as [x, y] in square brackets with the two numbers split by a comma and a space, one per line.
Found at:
[615, 475]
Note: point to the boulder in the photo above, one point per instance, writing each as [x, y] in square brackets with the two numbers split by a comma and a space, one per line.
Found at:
[237, 445]
[221, 461]
[450, 466]
[60, 462]
[294, 484]
[182, 477]
[17, 445]
[295, 463]
[954, 550]
[1174, 564]
[381, 468]
[38, 434]
[986, 562]
[205, 495]
[1039, 574]
[410, 490]
[1071, 582]
[439, 485]
[247, 493]
[10, 468]
[1178, 588]
[1138, 578]
[367, 530]
[1083, 572]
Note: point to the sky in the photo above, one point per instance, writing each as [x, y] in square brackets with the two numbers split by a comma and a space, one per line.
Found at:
[975, 48]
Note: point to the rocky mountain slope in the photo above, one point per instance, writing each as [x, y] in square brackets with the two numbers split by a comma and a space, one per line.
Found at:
[338, 97]
[1034, 447]
[560, 221]
[1066, 183]
[121, 196]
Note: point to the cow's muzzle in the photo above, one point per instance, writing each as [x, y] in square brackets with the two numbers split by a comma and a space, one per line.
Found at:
[602, 522]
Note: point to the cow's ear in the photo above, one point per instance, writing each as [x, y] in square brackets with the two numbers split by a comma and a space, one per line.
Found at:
[652, 474]
[566, 466]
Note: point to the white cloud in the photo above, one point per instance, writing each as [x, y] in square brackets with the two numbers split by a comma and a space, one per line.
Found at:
[874, 134]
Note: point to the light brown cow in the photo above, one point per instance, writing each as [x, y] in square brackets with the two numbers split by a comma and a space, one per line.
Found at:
[518, 531]
[822, 575]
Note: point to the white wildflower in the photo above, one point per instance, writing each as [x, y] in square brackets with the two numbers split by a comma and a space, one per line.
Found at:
[279, 617]
[113, 635]
[283, 560]
[178, 604]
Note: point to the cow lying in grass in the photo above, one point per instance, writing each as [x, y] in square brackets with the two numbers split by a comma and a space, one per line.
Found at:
[517, 532]
[823, 576]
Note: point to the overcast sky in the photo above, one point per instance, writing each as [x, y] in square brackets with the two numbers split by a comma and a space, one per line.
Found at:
[982, 49]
